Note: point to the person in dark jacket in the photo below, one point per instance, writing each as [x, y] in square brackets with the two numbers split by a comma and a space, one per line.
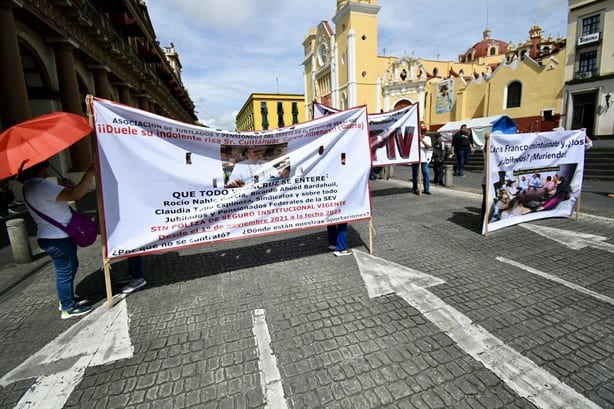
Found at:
[439, 156]
[462, 147]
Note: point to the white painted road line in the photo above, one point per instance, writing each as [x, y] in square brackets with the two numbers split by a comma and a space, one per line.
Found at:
[521, 374]
[52, 391]
[573, 240]
[518, 372]
[272, 388]
[558, 280]
[98, 338]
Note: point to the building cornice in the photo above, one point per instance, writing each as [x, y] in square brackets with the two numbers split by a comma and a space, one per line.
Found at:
[89, 31]
[356, 8]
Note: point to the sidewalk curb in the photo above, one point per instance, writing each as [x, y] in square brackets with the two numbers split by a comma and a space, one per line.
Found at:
[20, 272]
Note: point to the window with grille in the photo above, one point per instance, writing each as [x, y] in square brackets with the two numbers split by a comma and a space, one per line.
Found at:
[294, 112]
[588, 61]
[590, 25]
[264, 112]
[280, 114]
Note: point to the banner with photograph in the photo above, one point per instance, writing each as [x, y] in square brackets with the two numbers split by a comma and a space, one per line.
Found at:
[167, 184]
[444, 100]
[533, 176]
[393, 135]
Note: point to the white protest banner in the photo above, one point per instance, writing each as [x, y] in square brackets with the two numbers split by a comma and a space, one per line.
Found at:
[533, 176]
[392, 134]
[168, 184]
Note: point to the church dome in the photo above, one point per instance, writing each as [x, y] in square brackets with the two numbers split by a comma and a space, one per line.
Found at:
[485, 48]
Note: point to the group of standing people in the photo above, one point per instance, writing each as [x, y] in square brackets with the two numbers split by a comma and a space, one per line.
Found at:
[52, 199]
[435, 152]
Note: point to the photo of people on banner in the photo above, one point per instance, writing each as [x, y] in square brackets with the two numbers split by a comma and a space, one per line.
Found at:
[252, 164]
[166, 184]
[533, 176]
[524, 192]
[444, 100]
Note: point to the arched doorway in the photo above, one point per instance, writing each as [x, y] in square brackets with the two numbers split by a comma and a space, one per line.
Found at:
[36, 76]
[401, 104]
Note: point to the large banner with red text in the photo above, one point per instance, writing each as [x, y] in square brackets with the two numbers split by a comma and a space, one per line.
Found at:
[533, 176]
[167, 184]
[392, 134]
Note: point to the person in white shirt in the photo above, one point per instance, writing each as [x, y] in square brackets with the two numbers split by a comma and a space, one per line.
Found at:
[51, 199]
[426, 151]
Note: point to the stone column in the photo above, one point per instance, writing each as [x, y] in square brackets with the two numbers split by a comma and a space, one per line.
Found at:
[14, 104]
[143, 102]
[80, 152]
[124, 94]
[101, 81]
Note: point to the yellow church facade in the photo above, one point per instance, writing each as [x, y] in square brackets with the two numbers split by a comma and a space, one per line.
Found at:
[492, 77]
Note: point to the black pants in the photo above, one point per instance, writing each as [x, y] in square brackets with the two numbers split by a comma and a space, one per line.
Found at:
[438, 171]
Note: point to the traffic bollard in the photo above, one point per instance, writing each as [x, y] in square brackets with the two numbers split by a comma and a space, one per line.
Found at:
[449, 178]
[20, 242]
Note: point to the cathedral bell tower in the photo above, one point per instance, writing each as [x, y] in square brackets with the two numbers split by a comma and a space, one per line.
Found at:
[356, 51]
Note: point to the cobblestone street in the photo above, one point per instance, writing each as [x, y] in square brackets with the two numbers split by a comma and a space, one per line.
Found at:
[438, 316]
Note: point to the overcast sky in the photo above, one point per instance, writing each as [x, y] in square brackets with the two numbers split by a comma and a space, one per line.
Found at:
[232, 48]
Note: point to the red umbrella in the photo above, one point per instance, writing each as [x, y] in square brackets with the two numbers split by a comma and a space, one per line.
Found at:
[36, 140]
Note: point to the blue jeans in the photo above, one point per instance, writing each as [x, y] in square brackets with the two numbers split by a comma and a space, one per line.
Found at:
[63, 253]
[425, 176]
[462, 157]
[337, 236]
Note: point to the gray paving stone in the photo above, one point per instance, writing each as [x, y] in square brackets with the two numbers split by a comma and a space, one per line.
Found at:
[335, 347]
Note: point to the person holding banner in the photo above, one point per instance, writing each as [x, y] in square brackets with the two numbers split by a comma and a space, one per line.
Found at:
[462, 146]
[426, 151]
[52, 199]
[337, 239]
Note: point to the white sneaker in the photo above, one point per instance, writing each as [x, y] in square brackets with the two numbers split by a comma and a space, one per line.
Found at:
[134, 285]
[342, 253]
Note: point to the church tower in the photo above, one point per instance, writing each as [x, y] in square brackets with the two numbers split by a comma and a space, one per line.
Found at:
[341, 63]
[356, 53]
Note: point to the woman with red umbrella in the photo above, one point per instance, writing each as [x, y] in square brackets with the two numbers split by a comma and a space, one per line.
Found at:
[52, 200]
